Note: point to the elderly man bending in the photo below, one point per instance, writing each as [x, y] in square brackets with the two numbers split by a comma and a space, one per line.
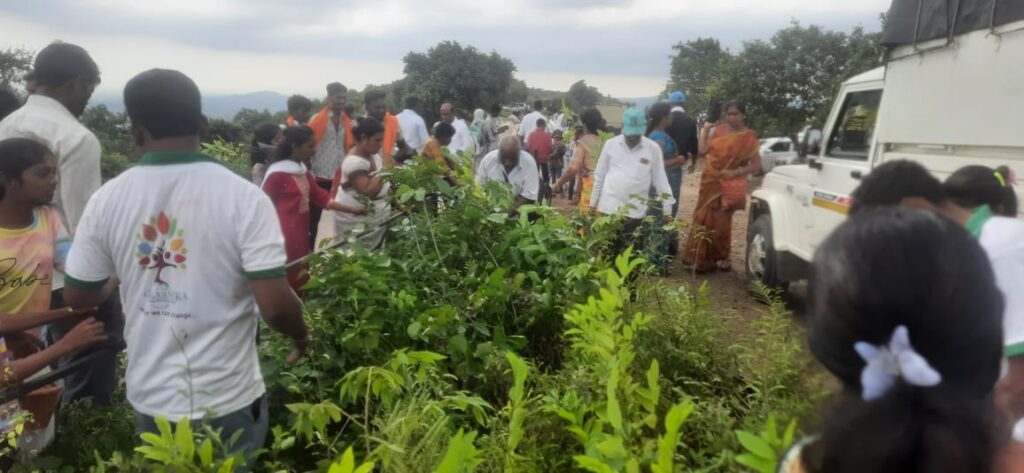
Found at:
[511, 165]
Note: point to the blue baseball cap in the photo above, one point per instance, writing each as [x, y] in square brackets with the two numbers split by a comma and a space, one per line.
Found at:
[634, 122]
[677, 97]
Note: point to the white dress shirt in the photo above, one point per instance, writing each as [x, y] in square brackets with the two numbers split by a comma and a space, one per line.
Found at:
[414, 129]
[77, 150]
[463, 139]
[529, 123]
[523, 178]
[624, 177]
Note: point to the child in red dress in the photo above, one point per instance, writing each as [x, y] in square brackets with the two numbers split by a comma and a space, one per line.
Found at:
[293, 189]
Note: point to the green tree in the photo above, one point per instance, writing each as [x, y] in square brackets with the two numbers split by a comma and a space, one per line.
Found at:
[517, 92]
[112, 129]
[14, 64]
[464, 76]
[787, 81]
[248, 119]
[698, 66]
[225, 131]
[581, 96]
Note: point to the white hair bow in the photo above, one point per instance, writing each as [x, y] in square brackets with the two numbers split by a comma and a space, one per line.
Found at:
[886, 364]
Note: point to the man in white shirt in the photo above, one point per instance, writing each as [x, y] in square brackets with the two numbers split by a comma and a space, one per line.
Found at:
[511, 165]
[529, 122]
[198, 250]
[631, 165]
[65, 77]
[463, 139]
[414, 128]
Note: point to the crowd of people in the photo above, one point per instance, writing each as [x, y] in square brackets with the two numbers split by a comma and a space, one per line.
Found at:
[916, 302]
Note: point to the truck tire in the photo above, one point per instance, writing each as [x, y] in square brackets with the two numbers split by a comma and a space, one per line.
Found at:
[762, 260]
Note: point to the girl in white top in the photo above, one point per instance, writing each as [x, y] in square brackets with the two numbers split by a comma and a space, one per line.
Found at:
[362, 187]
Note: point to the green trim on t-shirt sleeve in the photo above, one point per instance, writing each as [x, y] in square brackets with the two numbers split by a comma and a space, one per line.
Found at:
[979, 218]
[272, 273]
[1015, 350]
[79, 284]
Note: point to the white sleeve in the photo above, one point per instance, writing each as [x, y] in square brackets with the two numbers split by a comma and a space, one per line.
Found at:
[481, 170]
[260, 240]
[80, 177]
[1009, 272]
[659, 179]
[89, 264]
[599, 175]
[421, 130]
[531, 187]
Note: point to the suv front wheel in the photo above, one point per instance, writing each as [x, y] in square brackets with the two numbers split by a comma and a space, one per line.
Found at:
[762, 259]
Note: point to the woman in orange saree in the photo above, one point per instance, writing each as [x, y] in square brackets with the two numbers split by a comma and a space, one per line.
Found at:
[732, 151]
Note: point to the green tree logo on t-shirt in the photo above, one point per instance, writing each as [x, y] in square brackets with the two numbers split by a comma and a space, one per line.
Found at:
[161, 245]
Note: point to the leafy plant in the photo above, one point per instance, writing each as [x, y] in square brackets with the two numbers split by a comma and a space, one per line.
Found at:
[177, 449]
[764, 450]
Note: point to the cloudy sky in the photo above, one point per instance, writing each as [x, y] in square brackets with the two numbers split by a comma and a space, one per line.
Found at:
[289, 46]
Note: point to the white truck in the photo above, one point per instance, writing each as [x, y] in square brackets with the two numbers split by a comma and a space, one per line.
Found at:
[951, 94]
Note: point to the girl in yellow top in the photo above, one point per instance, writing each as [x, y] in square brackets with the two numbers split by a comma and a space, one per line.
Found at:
[28, 234]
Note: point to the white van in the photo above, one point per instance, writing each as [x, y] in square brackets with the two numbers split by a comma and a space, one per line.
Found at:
[944, 100]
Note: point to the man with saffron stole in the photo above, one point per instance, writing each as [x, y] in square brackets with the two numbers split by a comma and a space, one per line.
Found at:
[332, 133]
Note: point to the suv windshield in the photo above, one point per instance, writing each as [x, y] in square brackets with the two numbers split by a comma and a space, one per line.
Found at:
[851, 137]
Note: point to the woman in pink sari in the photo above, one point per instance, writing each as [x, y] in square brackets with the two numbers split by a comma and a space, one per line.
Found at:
[732, 151]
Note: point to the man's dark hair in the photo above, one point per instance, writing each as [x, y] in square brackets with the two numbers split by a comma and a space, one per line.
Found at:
[495, 110]
[335, 88]
[538, 105]
[541, 124]
[298, 102]
[374, 95]
[412, 102]
[444, 130]
[9, 102]
[165, 102]
[60, 63]
[888, 184]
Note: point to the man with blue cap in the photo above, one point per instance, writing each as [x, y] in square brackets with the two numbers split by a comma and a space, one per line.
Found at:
[682, 130]
[629, 166]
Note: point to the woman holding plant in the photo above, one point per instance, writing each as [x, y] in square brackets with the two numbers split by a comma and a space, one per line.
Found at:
[363, 188]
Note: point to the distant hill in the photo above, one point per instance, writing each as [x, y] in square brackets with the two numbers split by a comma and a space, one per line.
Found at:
[217, 106]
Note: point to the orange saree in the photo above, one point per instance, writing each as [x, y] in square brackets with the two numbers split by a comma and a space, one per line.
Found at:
[710, 239]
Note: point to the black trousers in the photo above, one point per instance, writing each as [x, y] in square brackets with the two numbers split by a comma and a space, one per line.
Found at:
[315, 213]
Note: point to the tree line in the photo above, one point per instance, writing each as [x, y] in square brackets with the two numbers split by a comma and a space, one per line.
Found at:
[787, 81]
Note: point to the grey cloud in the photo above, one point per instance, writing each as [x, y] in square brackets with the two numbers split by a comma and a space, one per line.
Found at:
[639, 50]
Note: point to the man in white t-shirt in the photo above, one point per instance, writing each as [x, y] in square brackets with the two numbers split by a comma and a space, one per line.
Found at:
[197, 250]
[463, 139]
[414, 129]
[529, 122]
[511, 165]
